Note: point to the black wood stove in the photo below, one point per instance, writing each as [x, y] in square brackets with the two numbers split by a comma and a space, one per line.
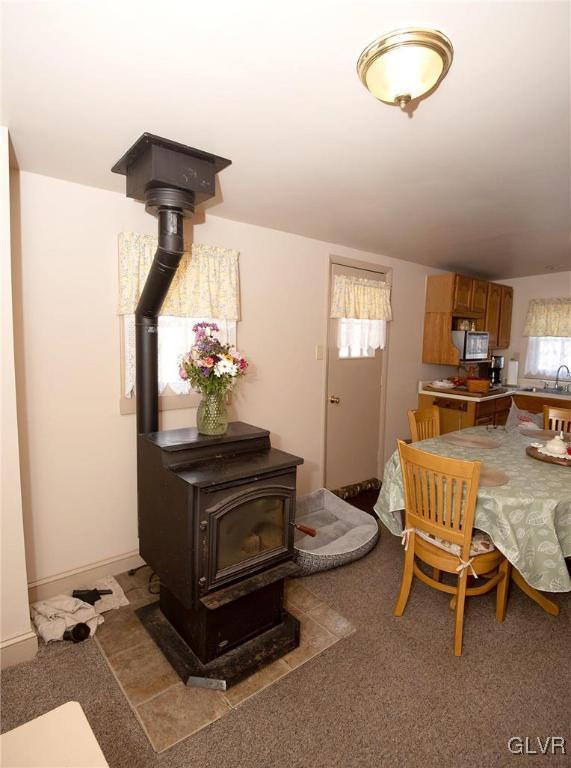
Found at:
[216, 514]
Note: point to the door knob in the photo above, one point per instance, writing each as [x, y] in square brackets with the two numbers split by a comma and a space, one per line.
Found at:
[334, 399]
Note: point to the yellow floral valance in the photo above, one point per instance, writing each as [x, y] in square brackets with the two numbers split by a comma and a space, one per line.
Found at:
[548, 317]
[206, 283]
[360, 299]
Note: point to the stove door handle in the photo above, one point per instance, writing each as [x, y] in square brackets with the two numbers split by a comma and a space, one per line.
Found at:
[305, 529]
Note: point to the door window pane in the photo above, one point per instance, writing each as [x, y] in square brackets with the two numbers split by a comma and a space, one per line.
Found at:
[360, 338]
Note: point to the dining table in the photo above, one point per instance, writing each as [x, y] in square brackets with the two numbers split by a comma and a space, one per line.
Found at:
[523, 504]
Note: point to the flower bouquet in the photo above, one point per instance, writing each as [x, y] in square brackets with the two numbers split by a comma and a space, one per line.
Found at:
[211, 368]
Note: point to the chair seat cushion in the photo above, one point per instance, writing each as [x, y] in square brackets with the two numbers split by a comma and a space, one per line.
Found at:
[481, 543]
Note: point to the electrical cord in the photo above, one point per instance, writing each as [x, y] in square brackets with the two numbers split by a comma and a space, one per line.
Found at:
[152, 576]
[150, 585]
[133, 571]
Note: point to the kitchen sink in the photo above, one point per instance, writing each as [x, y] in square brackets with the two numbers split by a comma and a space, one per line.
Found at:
[546, 390]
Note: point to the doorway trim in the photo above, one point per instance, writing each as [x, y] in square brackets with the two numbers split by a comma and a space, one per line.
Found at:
[370, 266]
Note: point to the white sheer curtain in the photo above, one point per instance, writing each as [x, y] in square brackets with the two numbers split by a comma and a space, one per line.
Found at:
[546, 353]
[175, 339]
[360, 338]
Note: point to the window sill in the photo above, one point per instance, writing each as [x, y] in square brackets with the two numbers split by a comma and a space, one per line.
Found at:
[128, 405]
[168, 402]
[547, 377]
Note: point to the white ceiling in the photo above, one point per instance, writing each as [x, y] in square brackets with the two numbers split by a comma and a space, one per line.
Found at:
[477, 180]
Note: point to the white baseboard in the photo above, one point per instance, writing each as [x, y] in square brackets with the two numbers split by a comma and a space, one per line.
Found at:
[17, 649]
[83, 577]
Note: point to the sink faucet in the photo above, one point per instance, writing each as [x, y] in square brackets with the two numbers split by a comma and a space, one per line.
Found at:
[557, 377]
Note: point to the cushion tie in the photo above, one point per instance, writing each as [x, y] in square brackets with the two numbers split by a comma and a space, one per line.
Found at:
[463, 565]
[405, 536]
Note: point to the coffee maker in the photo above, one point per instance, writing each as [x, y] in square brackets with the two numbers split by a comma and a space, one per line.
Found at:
[496, 367]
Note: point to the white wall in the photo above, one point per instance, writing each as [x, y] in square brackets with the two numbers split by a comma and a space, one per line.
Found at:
[551, 286]
[15, 619]
[78, 452]
[284, 284]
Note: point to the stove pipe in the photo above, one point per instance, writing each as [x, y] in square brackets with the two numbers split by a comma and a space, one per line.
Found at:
[170, 178]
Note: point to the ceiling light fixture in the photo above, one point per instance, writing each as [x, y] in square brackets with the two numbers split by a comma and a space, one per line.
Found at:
[405, 64]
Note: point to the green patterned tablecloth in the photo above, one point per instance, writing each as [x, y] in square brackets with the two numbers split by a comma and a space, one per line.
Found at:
[529, 519]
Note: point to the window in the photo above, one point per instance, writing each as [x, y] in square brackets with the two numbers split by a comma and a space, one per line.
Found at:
[548, 328]
[545, 354]
[175, 339]
[205, 287]
[360, 338]
[361, 307]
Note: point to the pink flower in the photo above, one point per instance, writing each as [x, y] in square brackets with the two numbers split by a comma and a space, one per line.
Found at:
[182, 372]
[208, 362]
[201, 328]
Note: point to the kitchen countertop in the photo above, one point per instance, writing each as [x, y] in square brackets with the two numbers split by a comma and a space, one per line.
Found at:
[491, 395]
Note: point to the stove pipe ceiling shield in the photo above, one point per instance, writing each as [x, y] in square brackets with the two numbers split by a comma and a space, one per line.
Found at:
[170, 178]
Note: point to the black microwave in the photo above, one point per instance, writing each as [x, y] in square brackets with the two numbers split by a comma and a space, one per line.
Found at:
[472, 345]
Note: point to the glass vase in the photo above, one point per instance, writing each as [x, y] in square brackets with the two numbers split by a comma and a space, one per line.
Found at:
[212, 416]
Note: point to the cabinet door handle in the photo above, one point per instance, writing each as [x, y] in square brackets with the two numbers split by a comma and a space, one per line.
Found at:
[334, 400]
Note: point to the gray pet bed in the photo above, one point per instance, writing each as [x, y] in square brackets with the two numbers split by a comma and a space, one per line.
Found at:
[344, 533]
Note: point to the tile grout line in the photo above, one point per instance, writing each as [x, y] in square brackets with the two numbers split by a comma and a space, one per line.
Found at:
[123, 650]
[255, 693]
[133, 708]
[230, 707]
[321, 603]
[308, 615]
[160, 693]
[188, 735]
[340, 637]
[150, 698]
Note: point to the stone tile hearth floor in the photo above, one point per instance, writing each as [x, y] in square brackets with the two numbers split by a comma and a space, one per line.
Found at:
[168, 710]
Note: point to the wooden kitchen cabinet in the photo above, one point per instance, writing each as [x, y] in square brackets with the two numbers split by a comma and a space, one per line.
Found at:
[470, 296]
[452, 296]
[492, 411]
[456, 413]
[498, 321]
[459, 414]
[462, 294]
[492, 320]
[503, 411]
[479, 298]
[437, 346]
[534, 404]
[505, 324]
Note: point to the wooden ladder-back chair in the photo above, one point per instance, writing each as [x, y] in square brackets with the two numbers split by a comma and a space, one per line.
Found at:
[424, 423]
[558, 419]
[440, 502]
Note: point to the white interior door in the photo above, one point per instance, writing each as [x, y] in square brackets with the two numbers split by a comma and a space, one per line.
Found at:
[353, 406]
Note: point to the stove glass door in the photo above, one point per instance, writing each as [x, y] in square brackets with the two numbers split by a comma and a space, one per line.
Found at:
[251, 530]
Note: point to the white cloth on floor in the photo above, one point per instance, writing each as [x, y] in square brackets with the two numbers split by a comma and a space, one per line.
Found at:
[108, 602]
[56, 614]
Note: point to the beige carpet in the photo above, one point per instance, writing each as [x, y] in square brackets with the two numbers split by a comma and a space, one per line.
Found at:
[390, 695]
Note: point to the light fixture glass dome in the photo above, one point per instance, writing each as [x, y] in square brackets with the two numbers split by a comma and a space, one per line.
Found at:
[405, 64]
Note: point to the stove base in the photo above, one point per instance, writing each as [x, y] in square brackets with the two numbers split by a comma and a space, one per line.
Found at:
[228, 669]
